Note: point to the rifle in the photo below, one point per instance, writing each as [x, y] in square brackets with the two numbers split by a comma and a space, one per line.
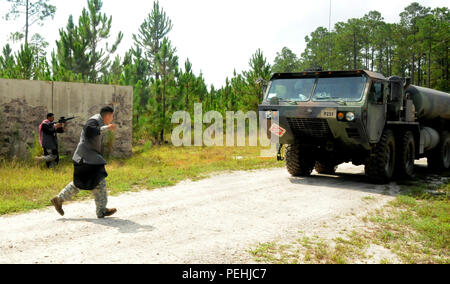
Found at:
[64, 120]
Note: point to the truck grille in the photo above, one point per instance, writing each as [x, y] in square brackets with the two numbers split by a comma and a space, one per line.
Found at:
[353, 133]
[310, 127]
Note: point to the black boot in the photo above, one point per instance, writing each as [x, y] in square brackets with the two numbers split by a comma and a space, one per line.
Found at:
[57, 202]
[109, 212]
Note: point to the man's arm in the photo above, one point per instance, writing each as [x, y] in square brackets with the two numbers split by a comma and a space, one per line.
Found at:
[93, 129]
[60, 129]
[110, 127]
[49, 129]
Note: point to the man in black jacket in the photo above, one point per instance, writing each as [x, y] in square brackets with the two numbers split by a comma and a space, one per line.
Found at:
[89, 164]
[48, 131]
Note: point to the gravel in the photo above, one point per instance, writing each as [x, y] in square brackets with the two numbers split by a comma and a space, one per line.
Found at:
[215, 220]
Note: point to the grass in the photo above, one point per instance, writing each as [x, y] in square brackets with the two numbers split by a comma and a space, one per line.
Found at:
[312, 250]
[25, 186]
[415, 228]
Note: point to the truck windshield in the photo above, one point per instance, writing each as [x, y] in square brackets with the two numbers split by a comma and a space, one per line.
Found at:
[295, 90]
[349, 89]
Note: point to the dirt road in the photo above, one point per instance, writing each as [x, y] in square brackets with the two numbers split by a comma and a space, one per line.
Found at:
[216, 220]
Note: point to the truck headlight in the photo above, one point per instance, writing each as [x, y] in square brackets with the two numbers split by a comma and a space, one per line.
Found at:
[350, 116]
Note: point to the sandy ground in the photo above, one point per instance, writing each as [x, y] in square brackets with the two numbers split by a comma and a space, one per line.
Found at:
[216, 220]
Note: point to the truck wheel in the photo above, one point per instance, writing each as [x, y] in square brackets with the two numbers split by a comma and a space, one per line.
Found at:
[298, 161]
[381, 164]
[326, 168]
[439, 158]
[406, 155]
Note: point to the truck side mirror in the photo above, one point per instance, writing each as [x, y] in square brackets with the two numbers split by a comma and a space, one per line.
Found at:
[263, 83]
[264, 87]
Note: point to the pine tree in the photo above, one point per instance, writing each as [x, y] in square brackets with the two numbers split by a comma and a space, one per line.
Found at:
[187, 86]
[80, 48]
[153, 30]
[35, 12]
[260, 70]
[318, 50]
[25, 63]
[7, 63]
[286, 61]
[166, 64]
[409, 18]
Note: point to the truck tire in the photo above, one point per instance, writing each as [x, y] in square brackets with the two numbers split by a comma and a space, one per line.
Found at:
[380, 166]
[326, 168]
[406, 155]
[298, 161]
[439, 158]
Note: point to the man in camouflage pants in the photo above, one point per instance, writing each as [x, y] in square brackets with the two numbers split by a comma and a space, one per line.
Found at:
[100, 194]
[89, 165]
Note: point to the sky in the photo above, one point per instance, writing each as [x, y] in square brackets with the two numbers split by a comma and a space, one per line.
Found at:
[219, 36]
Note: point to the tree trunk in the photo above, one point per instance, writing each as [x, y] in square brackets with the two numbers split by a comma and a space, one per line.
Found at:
[429, 66]
[389, 61]
[419, 71]
[366, 63]
[163, 109]
[27, 12]
[187, 97]
[447, 69]
[157, 48]
[381, 61]
[373, 59]
[354, 51]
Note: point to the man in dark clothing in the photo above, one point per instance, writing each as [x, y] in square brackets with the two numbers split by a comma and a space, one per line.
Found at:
[48, 139]
[89, 165]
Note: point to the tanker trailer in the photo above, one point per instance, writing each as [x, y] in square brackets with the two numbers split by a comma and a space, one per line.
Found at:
[432, 110]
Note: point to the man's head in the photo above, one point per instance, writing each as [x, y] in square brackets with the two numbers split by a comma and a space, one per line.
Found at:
[50, 117]
[107, 114]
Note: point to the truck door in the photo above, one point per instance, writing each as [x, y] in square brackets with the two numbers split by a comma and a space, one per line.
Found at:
[376, 111]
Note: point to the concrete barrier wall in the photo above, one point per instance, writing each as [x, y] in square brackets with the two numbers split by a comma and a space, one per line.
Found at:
[24, 104]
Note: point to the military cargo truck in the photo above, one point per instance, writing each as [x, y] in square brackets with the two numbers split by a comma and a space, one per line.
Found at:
[328, 118]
